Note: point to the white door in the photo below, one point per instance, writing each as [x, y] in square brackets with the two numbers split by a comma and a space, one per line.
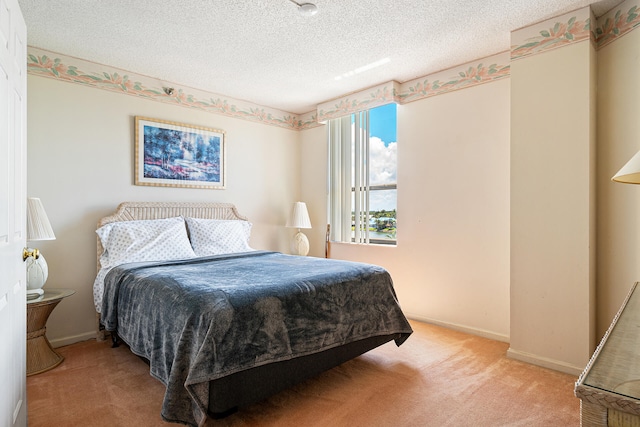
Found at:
[13, 152]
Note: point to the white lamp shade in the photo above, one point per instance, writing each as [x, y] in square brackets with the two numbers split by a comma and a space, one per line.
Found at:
[38, 225]
[299, 217]
[630, 172]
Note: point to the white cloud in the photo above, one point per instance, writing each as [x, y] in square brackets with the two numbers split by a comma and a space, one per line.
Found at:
[382, 170]
[384, 160]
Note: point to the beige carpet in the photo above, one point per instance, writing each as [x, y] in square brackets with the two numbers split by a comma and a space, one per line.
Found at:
[438, 377]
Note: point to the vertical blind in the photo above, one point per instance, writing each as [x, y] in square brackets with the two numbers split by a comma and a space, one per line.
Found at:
[349, 178]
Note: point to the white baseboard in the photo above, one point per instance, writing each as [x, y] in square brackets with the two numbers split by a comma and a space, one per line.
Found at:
[60, 342]
[533, 359]
[473, 331]
[556, 365]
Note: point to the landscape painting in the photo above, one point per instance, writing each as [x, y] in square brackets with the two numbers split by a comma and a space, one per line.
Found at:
[177, 155]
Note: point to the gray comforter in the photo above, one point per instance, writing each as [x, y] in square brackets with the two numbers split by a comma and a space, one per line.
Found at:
[202, 319]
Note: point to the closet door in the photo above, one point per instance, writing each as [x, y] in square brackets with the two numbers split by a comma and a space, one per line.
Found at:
[13, 153]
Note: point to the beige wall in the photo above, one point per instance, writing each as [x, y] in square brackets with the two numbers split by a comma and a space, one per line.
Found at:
[451, 264]
[618, 204]
[313, 185]
[552, 209]
[80, 160]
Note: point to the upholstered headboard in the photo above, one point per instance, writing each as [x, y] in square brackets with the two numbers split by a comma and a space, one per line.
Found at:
[131, 211]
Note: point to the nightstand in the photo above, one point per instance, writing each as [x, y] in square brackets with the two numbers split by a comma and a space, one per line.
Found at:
[40, 355]
[609, 387]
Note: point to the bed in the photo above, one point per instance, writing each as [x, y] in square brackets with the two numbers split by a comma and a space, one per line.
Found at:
[223, 325]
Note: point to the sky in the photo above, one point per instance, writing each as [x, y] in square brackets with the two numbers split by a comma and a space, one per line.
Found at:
[382, 155]
[382, 123]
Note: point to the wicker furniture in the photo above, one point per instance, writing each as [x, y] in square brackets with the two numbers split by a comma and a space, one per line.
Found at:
[41, 356]
[609, 387]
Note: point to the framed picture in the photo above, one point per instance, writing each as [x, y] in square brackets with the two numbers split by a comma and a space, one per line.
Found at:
[172, 154]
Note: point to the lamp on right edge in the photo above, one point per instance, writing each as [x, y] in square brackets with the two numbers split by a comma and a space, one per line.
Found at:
[630, 172]
[299, 218]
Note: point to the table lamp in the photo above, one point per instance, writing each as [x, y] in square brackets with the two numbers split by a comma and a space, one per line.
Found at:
[299, 218]
[38, 228]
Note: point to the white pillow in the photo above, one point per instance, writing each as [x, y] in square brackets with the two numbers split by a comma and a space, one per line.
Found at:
[216, 237]
[144, 240]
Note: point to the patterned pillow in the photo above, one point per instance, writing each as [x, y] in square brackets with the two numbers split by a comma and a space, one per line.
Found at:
[216, 237]
[144, 240]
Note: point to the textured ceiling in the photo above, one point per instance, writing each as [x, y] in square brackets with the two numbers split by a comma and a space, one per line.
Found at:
[263, 51]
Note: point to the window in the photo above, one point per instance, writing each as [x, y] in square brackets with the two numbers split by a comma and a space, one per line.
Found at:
[362, 176]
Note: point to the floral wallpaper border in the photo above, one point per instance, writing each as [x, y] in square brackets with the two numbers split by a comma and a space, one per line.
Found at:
[73, 70]
[576, 27]
[617, 22]
[385, 93]
[472, 74]
[551, 34]
[490, 69]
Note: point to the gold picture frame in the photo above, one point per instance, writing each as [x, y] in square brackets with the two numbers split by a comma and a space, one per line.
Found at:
[170, 154]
